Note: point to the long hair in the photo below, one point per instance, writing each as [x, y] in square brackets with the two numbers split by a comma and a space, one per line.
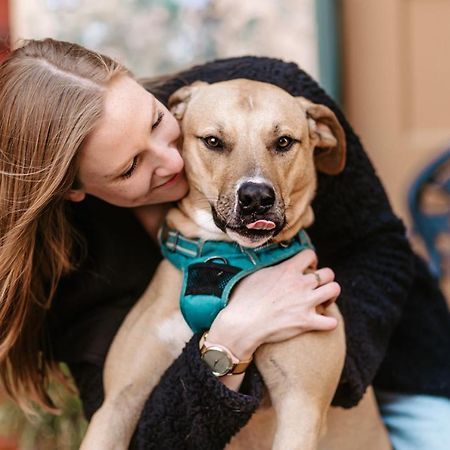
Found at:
[51, 97]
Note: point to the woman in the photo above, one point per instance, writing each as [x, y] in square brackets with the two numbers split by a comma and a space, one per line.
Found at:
[91, 129]
[69, 235]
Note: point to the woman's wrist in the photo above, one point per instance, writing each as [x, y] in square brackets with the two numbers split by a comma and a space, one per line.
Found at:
[230, 380]
[241, 342]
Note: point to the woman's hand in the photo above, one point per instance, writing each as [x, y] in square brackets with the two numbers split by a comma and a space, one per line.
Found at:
[275, 304]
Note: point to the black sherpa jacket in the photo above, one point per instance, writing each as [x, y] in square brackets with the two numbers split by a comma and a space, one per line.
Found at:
[397, 322]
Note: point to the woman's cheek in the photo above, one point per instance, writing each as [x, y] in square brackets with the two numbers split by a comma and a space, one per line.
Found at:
[179, 161]
[174, 127]
[133, 192]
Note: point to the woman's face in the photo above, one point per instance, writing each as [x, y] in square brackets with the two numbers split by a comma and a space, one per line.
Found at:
[131, 158]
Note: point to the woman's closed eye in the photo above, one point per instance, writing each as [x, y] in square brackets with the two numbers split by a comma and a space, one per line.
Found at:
[158, 119]
[135, 161]
[131, 169]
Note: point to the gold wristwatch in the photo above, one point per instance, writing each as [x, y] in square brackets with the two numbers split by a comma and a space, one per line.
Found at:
[220, 359]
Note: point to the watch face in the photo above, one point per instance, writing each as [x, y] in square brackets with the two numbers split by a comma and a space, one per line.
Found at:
[218, 360]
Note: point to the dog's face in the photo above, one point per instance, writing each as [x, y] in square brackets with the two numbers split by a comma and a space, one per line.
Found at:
[251, 152]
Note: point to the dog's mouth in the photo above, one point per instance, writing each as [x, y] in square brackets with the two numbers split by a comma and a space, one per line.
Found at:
[250, 231]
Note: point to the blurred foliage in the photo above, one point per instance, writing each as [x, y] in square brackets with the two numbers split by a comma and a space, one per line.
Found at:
[160, 36]
[46, 431]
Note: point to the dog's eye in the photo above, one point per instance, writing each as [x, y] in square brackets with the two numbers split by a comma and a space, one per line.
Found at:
[213, 142]
[284, 143]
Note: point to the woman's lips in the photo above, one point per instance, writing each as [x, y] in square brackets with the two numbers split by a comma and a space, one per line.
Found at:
[170, 181]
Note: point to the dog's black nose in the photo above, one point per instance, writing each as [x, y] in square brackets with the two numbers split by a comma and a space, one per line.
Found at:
[255, 198]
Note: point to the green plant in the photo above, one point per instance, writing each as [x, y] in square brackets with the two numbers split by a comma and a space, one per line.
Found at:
[46, 431]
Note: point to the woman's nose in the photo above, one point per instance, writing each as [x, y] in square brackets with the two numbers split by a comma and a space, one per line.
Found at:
[168, 160]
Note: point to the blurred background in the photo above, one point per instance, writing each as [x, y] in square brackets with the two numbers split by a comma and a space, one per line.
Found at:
[383, 61]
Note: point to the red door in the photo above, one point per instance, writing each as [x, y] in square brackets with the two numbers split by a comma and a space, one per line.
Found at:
[4, 28]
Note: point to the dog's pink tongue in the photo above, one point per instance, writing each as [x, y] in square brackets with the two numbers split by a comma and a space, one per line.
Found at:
[261, 225]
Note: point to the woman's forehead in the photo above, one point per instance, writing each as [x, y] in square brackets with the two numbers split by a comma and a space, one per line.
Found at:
[126, 103]
[123, 128]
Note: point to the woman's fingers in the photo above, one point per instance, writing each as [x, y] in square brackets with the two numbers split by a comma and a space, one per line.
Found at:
[279, 302]
[323, 323]
[319, 277]
[303, 260]
[325, 293]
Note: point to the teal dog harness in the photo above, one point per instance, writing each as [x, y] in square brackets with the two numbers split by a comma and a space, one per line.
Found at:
[212, 268]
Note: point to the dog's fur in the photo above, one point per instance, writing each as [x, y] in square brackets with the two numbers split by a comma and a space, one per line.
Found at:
[301, 374]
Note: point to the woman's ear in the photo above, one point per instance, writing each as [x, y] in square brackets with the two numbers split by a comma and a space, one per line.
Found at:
[75, 195]
[327, 136]
[179, 100]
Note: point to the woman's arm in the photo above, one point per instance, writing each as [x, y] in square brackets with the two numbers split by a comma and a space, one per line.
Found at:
[355, 232]
[192, 409]
[366, 246]
[189, 394]
[189, 409]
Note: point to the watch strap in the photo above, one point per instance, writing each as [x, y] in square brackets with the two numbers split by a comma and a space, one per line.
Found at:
[239, 367]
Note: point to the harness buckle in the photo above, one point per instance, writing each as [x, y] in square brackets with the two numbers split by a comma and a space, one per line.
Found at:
[214, 258]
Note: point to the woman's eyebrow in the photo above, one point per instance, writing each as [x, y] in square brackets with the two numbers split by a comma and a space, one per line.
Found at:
[123, 167]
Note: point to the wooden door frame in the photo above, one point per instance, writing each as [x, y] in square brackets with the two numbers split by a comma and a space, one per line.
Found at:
[328, 38]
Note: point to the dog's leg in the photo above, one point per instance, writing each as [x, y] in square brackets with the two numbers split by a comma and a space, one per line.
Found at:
[365, 418]
[258, 433]
[302, 375]
[151, 337]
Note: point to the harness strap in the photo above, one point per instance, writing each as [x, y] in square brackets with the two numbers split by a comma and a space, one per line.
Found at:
[211, 269]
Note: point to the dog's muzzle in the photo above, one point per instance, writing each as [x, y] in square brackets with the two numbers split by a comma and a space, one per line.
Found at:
[255, 199]
[257, 213]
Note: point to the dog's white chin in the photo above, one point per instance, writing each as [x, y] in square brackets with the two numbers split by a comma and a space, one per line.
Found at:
[246, 242]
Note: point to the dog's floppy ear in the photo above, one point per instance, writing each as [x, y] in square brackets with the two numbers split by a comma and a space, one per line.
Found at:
[179, 100]
[327, 135]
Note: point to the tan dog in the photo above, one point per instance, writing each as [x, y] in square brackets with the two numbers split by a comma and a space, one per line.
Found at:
[238, 132]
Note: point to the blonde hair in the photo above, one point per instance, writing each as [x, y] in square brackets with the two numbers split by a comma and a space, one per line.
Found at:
[51, 97]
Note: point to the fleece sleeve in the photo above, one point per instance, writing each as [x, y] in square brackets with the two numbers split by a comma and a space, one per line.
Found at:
[190, 409]
[359, 237]
[355, 231]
